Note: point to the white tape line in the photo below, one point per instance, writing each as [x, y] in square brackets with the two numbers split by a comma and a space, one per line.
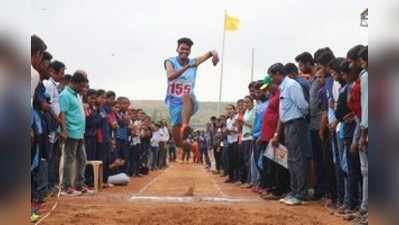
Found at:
[170, 199]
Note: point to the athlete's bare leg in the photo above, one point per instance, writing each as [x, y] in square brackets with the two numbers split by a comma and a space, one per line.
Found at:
[176, 132]
[186, 115]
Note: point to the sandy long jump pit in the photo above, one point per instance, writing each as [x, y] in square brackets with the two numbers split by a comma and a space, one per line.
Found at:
[183, 194]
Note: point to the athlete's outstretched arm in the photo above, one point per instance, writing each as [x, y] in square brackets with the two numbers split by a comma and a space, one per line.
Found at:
[174, 74]
[215, 58]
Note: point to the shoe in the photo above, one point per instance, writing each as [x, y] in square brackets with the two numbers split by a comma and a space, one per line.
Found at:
[229, 181]
[34, 217]
[271, 197]
[70, 192]
[238, 183]
[285, 199]
[293, 201]
[87, 191]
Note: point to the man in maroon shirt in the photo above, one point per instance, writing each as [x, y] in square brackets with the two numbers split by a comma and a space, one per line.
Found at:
[276, 177]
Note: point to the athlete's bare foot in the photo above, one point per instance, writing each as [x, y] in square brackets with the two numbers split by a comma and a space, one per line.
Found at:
[185, 130]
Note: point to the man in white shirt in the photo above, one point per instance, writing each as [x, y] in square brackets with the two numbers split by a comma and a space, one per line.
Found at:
[232, 140]
[155, 139]
[163, 144]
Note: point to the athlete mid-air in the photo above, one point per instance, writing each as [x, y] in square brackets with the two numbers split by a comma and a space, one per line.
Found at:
[180, 98]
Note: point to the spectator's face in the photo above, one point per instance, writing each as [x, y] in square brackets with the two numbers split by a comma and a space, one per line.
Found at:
[229, 110]
[91, 100]
[58, 76]
[252, 92]
[363, 64]
[116, 108]
[37, 59]
[81, 88]
[305, 68]
[277, 78]
[110, 99]
[101, 100]
[183, 51]
[43, 68]
[355, 65]
[124, 105]
[320, 74]
[248, 104]
[258, 94]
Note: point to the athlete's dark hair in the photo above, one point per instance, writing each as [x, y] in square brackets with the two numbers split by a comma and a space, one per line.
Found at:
[353, 53]
[47, 56]
[79, 78]
[290, 68]
[305, 57]
[110, 94]
[276, 68]
[186, 41]
[325, 58]
[364, 54]
[57, 65]
[335, 64]
[100, 92]
[37, 45]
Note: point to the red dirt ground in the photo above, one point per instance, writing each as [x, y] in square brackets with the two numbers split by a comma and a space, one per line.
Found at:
[112, 206]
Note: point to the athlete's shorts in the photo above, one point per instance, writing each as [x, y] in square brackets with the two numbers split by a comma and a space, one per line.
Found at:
[175, 111]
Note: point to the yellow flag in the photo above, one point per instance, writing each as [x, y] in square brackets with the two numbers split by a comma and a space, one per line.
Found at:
[231, 23]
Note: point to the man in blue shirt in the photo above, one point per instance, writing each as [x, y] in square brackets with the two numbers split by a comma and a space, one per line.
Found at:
[293, 109]
[73, 128]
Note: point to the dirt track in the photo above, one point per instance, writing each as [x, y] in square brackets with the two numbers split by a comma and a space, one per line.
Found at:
[183, 194]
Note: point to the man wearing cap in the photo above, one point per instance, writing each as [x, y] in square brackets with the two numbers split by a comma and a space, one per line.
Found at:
[180, 98]
[292, 111]
[262, 102]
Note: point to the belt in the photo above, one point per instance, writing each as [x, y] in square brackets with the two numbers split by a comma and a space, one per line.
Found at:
[295, 120]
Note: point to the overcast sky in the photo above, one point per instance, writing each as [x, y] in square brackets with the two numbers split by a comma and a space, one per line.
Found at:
[122, 44]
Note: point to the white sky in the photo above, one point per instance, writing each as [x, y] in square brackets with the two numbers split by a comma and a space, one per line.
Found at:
[122, 44]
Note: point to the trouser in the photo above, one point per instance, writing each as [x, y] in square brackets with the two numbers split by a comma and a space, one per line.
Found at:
[217, 154]
[234, 159]
[329, 170]
[74, 152]
[204, 154]
[338, 150]
[162, 157]
[225, 160]
[134, 152]
[39, 182]
[262, 165]
[172, 153]
[354, 177]
[54, 164]
[103, 153]
[364, 165]
[90, 146]
[317, 149]
[245, 156]
[296, 143]
[154, 158]
[186, 154]
[254, 172]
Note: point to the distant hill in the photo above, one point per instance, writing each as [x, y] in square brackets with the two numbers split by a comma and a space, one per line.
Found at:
[158, 110]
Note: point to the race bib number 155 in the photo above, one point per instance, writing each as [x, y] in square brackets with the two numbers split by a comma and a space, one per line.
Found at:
[179, 89]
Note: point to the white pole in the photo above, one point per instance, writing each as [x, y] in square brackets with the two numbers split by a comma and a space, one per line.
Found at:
[252, 64]
[221, 65]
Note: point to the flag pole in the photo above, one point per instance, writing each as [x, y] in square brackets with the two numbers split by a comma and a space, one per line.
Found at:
[252, 64]
[221, 64]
